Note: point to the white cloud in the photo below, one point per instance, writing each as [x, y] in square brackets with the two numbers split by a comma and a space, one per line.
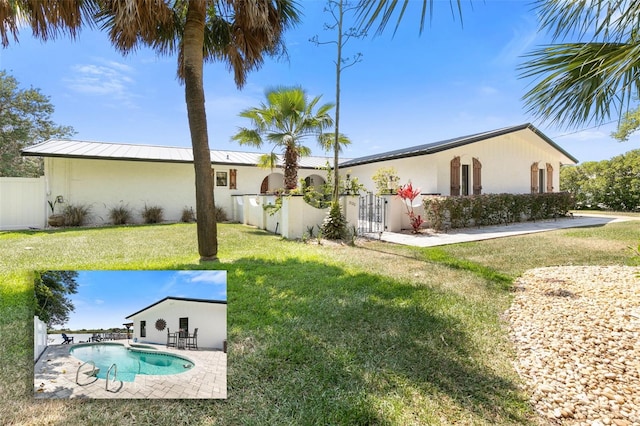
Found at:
[99, 301]
[206, 277]
[110, 80]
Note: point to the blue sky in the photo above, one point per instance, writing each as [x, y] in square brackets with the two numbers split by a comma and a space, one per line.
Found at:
[409, 89]
[105, 298]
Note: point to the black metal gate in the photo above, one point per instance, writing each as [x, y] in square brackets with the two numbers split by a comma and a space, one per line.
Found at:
[371, 214]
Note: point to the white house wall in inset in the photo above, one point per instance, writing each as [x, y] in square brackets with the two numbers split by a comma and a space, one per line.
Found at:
[209, 318]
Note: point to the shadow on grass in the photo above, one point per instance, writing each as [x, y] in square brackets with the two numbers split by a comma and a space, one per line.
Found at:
[314, 344]
[310, 343]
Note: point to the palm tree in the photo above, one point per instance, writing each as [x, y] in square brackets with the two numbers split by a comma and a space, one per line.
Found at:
[237, 32]
[285, 120]
[585, 81]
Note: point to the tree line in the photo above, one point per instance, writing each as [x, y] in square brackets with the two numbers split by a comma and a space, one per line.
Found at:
[608, 184]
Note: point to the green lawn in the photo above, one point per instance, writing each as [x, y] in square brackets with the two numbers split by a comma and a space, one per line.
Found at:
[318, 334]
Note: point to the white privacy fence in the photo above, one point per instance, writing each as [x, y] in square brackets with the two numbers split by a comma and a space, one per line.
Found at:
[22, 203]
[39, 337]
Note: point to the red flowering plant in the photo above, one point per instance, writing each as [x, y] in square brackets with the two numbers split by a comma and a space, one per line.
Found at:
[408, 194]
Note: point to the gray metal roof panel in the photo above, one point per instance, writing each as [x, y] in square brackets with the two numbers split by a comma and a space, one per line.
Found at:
[118, 151]
[434, 147]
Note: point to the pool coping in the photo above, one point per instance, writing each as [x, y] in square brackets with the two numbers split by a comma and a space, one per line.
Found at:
[55, 377]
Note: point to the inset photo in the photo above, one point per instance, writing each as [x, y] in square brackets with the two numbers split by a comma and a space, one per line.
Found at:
[130, 334]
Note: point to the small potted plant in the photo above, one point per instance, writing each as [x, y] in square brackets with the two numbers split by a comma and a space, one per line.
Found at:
[56, 220]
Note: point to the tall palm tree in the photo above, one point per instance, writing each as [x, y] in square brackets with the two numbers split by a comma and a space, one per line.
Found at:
[238, 32]
[285, 120]
[597, 76]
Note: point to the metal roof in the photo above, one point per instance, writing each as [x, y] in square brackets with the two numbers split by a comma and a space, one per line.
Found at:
[185, 299]
[434, 147]
[119, 151]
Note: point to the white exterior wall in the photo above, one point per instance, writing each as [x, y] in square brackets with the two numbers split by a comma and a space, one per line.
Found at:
[104, 184]
[22, 203]
[209, 318]
[506, 165]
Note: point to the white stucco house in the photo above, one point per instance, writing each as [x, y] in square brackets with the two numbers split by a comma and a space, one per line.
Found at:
[171, 314]
[517, 159]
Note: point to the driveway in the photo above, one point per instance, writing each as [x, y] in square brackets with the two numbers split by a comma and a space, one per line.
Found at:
[430, 238]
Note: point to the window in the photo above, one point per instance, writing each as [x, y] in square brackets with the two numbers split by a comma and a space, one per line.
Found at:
[221, 178]
[143, 329]
[184, 326]
[464, 181]
[541, 181]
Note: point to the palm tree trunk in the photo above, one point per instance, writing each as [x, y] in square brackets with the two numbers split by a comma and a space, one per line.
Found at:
[336, 146]
[194, 94]
[290, 168]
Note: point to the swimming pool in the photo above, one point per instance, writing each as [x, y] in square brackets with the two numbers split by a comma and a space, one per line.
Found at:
[130, 361]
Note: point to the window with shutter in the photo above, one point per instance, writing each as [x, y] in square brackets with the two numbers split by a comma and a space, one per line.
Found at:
[455, 176]
[534, 178]
[477, 177]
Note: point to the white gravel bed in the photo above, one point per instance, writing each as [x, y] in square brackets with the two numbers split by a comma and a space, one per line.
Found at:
[576, 331]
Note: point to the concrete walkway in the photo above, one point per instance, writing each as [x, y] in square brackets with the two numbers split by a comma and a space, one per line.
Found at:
[55, 377]
[429, 238]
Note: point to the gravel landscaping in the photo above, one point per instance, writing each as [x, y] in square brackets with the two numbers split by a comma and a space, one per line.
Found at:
[576, 331]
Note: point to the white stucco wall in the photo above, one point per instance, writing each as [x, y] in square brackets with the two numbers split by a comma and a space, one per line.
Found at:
[104, 184]
[209, 318]
[506, 165]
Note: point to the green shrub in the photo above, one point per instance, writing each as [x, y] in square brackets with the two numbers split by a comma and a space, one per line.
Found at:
[188, 215]
[152, 214]
[120, 215]
[76, 214]
[334, 226]
[221, 215]
[495, 209]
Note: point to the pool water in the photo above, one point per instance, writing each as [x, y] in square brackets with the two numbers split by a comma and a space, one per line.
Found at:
[129, 361]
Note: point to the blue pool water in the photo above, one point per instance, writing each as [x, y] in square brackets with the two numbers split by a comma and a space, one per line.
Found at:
[129, 361]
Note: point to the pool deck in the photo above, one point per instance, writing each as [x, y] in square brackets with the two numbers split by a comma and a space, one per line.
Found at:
[55, 378]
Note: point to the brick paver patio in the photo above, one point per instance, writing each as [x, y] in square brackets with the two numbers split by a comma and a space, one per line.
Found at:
[55, 377]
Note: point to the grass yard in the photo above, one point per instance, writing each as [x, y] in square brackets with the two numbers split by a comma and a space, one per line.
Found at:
[372, 334]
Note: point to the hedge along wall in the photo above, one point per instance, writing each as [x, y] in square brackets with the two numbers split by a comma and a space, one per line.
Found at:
[494, 209]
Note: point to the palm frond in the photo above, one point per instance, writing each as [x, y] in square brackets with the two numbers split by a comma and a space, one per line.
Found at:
[327, 141]
[268, 161]
[582, 82]
[47, 19]
[246, 136]
[371, 11]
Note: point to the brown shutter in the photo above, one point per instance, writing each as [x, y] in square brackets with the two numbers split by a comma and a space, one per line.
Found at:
[477, 177]
[534, 178]
[265, 185]
[232, 178]
[549, 178]
[455, 176]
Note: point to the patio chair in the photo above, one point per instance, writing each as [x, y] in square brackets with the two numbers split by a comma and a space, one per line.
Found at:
[171, 338]
[192, 340]
[66, 339]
